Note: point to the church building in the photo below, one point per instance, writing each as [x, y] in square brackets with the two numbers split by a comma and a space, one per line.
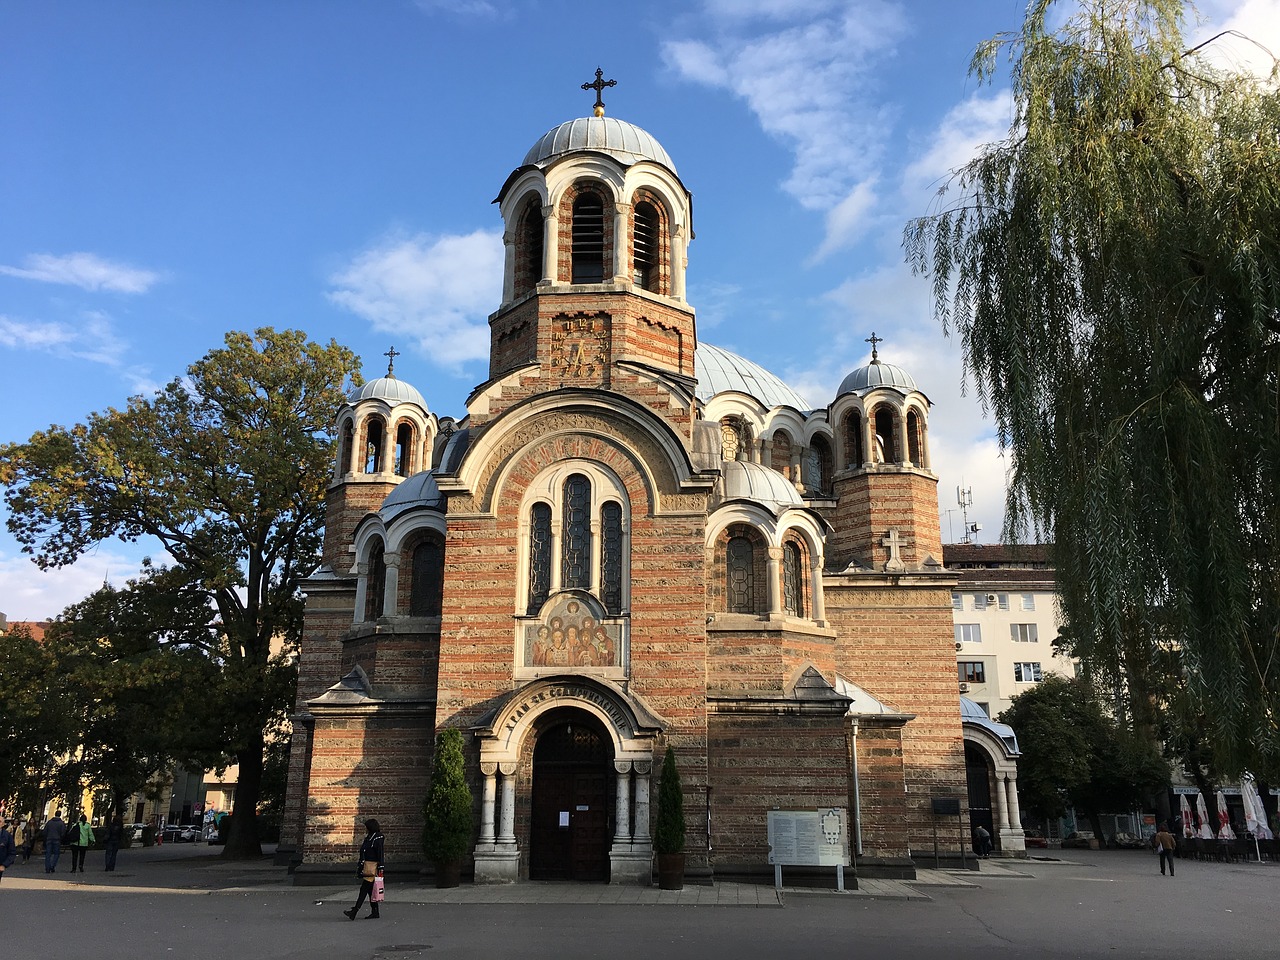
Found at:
[629, 540]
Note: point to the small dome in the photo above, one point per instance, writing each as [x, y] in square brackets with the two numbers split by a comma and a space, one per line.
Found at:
[420, 490]
[608, 135]
[744, 480]
[719, 371]
[388, 389]
[877, 374]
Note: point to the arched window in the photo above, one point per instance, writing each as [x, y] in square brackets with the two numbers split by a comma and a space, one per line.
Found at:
[345, 446]
[588, 238]
[426, 589]
[792, 580]
[886, 435]
[375, 590]
[646, 250]
[539, 556]
[740, 576]
[575, 562]
[529, 255]
[404, 449]
[915, 439]
[780, 454]
[818, 478]
[373, 443]
[611, 557]
[853, 434]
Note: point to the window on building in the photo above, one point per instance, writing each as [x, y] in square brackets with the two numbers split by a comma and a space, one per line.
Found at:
[344, 449]
[979, 601]
[575, 560]
[972, 671]
[529, 250]
[1026, 672]
[957, 601]
[968, 633]
[588, 238]
[1024, 632]
[373, 435]
[426, 586]
[611, 557]
[853, 434]
[792, 584]
[645, 241]
[818, 467]
[915, 439]
[740, 573]
[539, 556]
[1028, 601]
[375, 589]
[1002, 601]
[404, 449]
[885, 425]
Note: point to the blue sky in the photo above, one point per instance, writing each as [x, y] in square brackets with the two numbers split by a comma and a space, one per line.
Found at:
[173, 170]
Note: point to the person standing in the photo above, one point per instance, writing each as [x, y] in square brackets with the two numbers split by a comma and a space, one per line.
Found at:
[1165, 845]
[33, 831]
[54, 830]
[80, 840]
[368, 869]
[8, 851]
[113, 839]
[19, 837]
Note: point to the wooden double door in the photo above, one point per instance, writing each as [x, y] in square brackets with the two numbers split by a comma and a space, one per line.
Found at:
[572, 824]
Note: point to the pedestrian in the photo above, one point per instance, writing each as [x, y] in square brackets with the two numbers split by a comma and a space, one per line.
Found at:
[113, 839]
[8, 852]
[981, 841]
[80, 839]
[54, 830]
[19, 837]
[33, 832]
[1164, 845]
[368, 869]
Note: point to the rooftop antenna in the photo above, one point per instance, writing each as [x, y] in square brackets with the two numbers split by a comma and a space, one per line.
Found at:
[964, 497]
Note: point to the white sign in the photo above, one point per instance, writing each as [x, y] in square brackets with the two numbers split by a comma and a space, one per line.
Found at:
[818, 838]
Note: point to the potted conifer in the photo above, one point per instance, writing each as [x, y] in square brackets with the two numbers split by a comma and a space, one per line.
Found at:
[668, 834]
[446, 831]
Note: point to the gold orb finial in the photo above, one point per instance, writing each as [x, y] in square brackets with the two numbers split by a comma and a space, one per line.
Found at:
[599, 110]
[598, 86]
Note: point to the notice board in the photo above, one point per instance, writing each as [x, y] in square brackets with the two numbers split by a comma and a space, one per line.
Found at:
[818, 838]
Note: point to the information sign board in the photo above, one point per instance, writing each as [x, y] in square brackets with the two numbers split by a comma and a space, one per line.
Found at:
[818, 838]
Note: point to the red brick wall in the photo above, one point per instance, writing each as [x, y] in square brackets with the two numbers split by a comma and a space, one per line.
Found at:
[874, 500]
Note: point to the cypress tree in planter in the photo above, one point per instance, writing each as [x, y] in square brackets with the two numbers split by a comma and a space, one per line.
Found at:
[446, 833]
[668, 834]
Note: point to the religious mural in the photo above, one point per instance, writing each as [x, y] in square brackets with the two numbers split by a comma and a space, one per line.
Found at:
[570, 634]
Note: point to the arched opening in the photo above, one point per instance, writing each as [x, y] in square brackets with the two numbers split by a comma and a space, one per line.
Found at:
[426, 585]
[739, 586]
[345, 445]
[853, 434]
[780, 454]
[646, 248]
[374, 440]
[818, 478]
[977, 773]
[588, 238]
[792, 579]
[404, 449]
[539, 556]
[915, 439]
[575, 558]
[375, 590]
[529, 249]
[571, 816]
[886, 439]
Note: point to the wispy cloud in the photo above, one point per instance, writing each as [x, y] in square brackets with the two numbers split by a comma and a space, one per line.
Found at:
[1257, 25]
[93, 339]
[460, 8]
[33, 594]
[437, 290]
[85, 270]
[806, 70]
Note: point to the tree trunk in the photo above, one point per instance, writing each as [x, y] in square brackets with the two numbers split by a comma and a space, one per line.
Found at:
[242, 839]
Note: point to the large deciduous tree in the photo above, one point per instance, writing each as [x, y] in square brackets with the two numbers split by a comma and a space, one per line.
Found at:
[226, 468]
[1113, 269]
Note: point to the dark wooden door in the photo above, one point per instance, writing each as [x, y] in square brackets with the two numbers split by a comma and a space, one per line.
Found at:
[570, 829]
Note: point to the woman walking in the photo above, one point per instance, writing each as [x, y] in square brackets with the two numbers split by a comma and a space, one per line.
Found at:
[368, 869]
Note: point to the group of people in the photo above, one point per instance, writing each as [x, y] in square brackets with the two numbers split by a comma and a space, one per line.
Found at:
[18, 839]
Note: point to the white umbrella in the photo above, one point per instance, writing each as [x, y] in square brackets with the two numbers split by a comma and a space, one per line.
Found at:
[1188, 823]
[1205, 832]
[1255, 814]
[1224, 820]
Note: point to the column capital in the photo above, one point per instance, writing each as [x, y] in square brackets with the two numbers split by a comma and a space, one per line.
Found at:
[622, 766]
[488, 767]
[509, 768]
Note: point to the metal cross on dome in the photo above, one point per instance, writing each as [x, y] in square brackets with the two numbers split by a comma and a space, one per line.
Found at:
[598, 86]
[391, 361]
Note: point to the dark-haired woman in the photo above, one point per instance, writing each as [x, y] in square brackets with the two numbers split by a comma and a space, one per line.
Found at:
[368, 869]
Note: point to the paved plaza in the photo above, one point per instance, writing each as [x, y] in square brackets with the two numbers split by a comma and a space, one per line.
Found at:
[182, 901]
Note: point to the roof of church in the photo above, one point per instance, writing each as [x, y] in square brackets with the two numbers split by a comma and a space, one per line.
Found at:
[719, 371]
[388, 389]
[743, 480]
[875, 374]
[608, 135]
[420, 490]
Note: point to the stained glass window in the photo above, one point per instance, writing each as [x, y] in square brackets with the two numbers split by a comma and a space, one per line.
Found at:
[575, 565]
[740, 564]
[611, 557]
[427, 585]
[539, 556]
[792, 594]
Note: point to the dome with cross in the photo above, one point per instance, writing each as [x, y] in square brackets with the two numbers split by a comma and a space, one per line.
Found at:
[877, 374]
[388, 389]
[619, 139]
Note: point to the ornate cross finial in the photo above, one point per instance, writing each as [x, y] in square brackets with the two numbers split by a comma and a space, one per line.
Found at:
[391, 361]
[873, 340]
[599, 85]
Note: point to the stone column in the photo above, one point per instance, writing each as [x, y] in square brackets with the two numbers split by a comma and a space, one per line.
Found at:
[677, 262]
[507, 821]
[362, 591]
[391, 590]
[773, 570]
[622, 813]
[1015, 811]
[550, 244]
[487, 804]
[508, 266]
[621, 218]
[819, 601]
[641, 831]
[1001, 803]
[900, 429]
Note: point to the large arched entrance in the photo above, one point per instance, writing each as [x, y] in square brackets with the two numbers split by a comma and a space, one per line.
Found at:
[980, 815]
[571, 823]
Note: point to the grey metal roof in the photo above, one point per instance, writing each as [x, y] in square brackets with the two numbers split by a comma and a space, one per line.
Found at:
[608, 135]
[970, 712]
[387, 389]
[877, 374]
[743, 480]
[719, 371]
[420, 490]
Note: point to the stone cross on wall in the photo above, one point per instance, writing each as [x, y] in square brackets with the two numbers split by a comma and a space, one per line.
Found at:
[893, 541]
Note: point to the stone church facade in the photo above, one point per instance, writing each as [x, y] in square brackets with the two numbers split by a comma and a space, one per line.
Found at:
[631, 540]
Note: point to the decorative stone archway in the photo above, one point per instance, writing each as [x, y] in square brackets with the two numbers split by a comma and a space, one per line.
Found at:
[503, 734]
[998, 745]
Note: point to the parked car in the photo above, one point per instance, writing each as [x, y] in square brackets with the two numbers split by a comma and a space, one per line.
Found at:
[1081, 840]
[135, 831]
[1034, 838]
[176, 833]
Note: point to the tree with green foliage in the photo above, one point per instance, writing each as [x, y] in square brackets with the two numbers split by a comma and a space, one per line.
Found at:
[226, 468]
[1113, 269]
[1074, 752]
[668, 832]
[35, 731]
[447, 826]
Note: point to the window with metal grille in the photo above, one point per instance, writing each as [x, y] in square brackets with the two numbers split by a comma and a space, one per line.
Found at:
[539, 556]
[376, 585]
[972, 671]
[792, 594]
[740, 574]
[426, 588]
[611, 557]
[645, 243]
[588, 238]
[575, 562]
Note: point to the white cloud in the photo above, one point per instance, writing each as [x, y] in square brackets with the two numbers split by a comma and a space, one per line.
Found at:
[1259, 23]
[33, 594]
[437, 290]
[85, 270]
[848, 218]
[461, 8]
[31, 335]
[95, 339]
[968, 126]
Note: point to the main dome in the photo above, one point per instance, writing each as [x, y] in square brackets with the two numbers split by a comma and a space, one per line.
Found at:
[719, 371]
[608, 135]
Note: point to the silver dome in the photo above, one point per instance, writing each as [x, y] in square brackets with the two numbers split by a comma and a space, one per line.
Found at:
[608, 135]
[877, 374]
[744, 480]
[388, 389]
[420, 490]
[719, 371]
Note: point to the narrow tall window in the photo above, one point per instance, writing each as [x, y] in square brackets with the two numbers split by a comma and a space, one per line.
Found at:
[853, 439]
[611, 558]
[792, 584]
[373, 437]
[344, 449]
[818, 480]
[539, 556]
[404, 449]
[575, 563]
[529, 248]
[886, 440]
[915, 439]
[376, 585]
[588, 239]
[740, 574]
[645, 241]
[426, 590]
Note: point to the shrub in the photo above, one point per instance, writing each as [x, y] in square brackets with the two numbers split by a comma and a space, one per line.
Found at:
[446, 832]
[668, 835]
